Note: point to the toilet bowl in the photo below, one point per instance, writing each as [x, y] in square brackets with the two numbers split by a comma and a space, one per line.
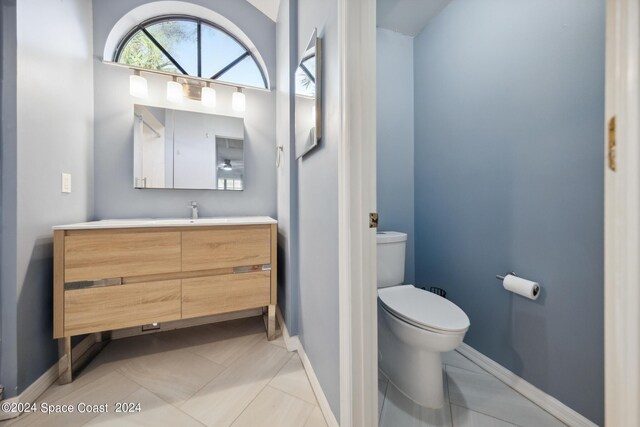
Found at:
[414, 328]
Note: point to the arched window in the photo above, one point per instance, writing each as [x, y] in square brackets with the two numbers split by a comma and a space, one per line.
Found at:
[190, 46]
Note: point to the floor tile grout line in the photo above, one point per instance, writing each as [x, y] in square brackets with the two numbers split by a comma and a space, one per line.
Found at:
[220, 373]
[96, 414]
[306, 376]
[446, 375]
[468, 370]
[258, 393]
[384, 399]
[164, 400]
[242, 352]
[198, 390]
[516, 391]
[510, 388]
[486, 415]
[292, 395]
[174, 406]
[247, 405]
[308, 416]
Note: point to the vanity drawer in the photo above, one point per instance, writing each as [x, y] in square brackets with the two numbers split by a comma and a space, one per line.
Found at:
[226, 247]
[100, 255]
[204, 296]
[113, 307]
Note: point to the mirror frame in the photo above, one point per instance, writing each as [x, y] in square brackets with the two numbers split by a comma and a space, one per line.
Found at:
[304, 148]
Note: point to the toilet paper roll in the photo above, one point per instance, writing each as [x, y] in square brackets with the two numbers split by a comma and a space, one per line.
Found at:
[521, 286]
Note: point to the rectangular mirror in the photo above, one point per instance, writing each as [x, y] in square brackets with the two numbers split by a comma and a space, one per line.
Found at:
[185, 150]
[308, 97]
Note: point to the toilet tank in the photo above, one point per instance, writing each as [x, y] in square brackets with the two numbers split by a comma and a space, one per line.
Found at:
[391, 246]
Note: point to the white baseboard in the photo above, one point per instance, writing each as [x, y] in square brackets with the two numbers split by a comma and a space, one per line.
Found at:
[294, 344]
[528, 390]
[39, 386]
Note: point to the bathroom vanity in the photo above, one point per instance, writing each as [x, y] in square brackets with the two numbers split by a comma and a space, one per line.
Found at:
[122, 273]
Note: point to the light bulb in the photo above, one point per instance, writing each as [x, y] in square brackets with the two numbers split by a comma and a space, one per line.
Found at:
[238, 101]
[208, 97]
[174, 92]
[138, 85]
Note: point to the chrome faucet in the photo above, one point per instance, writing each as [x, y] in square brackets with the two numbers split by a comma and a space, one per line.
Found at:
[194, 209]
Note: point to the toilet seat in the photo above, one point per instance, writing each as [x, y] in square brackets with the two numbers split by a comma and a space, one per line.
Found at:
[423, 309]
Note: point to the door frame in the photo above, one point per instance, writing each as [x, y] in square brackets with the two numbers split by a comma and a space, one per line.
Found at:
[357, 198]
[622, 216]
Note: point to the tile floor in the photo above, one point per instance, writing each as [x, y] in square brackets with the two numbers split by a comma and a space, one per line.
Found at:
[473, 398]
[226, 374]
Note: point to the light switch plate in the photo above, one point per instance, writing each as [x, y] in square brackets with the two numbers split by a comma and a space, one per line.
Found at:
[66, 182]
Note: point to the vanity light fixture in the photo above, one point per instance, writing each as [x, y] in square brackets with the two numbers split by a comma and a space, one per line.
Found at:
[238, 101]
[138, 85]
[208, 96]
[174, 91]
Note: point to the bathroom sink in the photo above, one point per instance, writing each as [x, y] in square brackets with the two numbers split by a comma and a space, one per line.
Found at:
[168, 222]
[185, 221]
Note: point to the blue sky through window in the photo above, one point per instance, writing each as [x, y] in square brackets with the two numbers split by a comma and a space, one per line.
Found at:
[179, 38]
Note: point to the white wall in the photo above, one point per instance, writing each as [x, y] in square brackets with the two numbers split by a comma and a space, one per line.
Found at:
[54, 135]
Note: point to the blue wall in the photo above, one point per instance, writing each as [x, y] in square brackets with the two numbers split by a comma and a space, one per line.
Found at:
[394, 168]
[286, 61]
[8, 183]
[317, 209]
[39, 133]
[509, 111]
[307, 195]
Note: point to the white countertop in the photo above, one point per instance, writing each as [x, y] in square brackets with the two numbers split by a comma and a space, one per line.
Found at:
[172, 222]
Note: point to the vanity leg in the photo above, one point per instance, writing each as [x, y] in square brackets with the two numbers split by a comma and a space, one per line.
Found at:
[65, 371]
[270, 322]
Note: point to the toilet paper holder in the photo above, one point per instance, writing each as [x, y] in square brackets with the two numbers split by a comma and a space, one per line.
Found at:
[536, 288]
[499, 277]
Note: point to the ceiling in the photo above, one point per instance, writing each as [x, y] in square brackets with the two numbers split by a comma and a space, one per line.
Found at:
[268, 7]
[408, 17]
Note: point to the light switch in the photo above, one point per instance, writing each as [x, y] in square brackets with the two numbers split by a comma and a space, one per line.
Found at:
[66, 182]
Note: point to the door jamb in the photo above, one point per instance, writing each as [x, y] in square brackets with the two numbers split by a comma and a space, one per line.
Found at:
[622, 216]
[357, 198]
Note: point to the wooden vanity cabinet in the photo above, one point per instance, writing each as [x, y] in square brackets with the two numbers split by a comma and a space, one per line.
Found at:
[112, 278]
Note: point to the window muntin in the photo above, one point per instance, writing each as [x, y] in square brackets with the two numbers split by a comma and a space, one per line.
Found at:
[193, 47]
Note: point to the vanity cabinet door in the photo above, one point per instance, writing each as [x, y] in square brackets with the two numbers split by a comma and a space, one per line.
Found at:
[103, 255]
[204, 296]
[226, 247]
[113, 307]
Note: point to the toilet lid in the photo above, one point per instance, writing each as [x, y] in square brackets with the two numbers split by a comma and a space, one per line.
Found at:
[424, 308]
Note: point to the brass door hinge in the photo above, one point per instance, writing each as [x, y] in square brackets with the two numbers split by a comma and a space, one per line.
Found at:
[373, 220]
[612, 144]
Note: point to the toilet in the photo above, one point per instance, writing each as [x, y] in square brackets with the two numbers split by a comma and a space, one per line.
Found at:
[414, 327]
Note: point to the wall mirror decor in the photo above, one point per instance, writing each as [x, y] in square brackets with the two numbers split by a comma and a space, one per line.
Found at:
[308, 97]
[186, 150]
